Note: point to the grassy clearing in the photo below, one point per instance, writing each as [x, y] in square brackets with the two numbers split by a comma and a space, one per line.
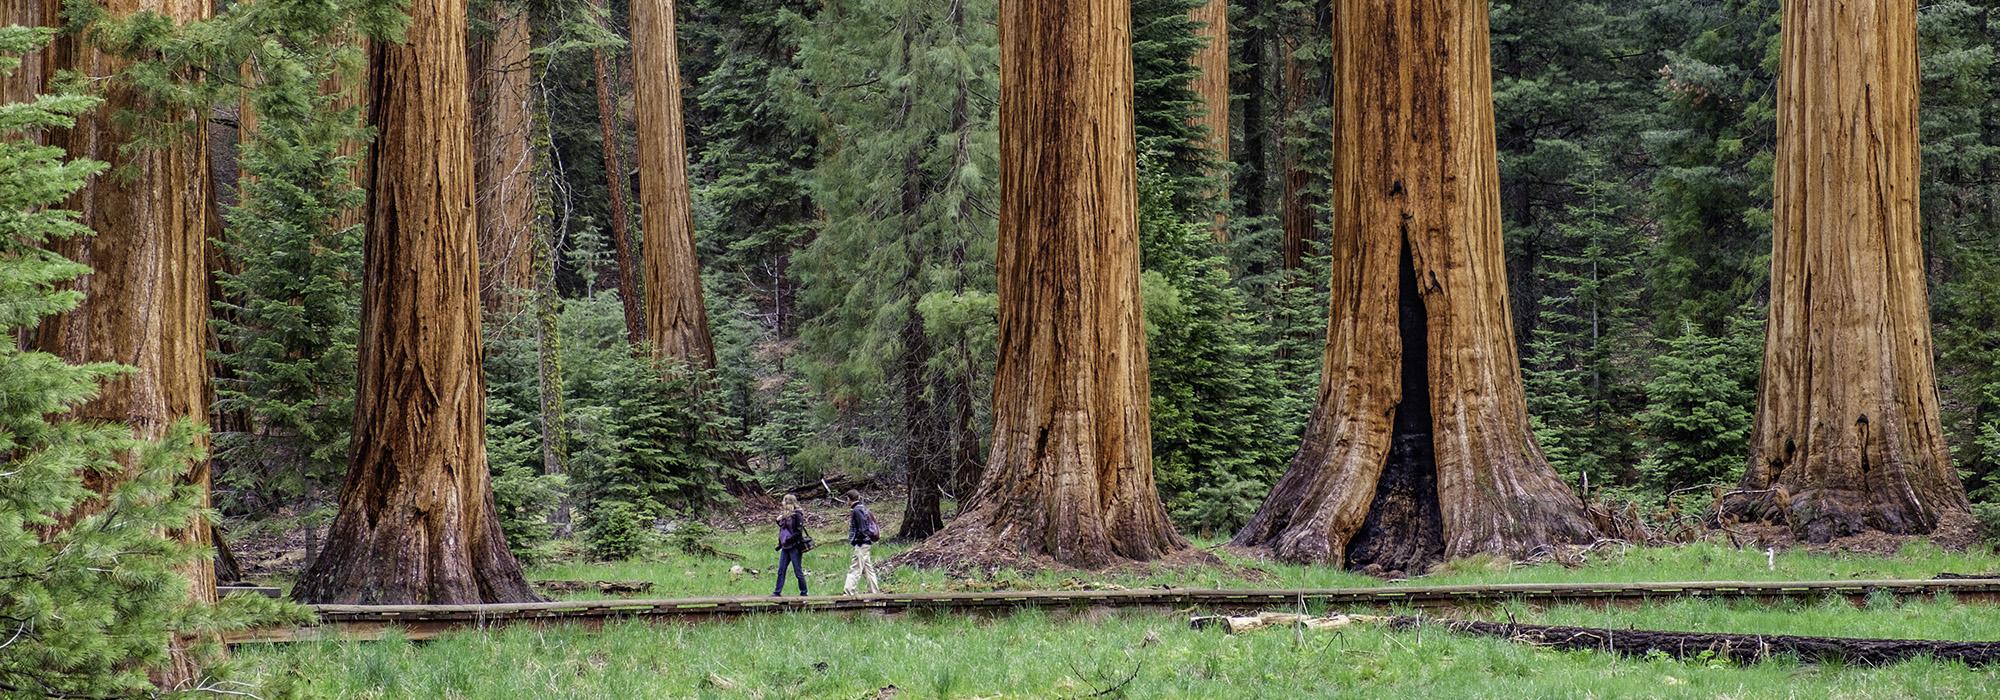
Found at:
[1033, 655]
[1053, 655]
[678, 575]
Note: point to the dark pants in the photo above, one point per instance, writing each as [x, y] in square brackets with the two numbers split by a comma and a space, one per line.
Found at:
[795, 560]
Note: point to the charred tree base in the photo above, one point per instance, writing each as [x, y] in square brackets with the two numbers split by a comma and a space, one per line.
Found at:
[1825, 515]
[1404, 530]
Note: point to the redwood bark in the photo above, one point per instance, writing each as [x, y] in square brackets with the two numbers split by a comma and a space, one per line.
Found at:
[27, 80]
[1302, 85]
[1421, 407]
[1070, 474]
[616, 184]
[145, 301]
[1211, 19]
[676, 318]
[1848, 437]
[502, 170]
[416, 521]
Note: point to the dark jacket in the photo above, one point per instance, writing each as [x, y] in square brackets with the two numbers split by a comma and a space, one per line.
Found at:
[792, 530]
[857, 526]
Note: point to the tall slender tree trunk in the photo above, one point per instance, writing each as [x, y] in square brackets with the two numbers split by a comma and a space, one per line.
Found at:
[1419, 447]
[503, 171]
[1252, 178]
[676, 319]
[1848, 437]
[616, 184]
[353, 92]
[145, 301]
[30, 78]
[416, 521]
[1302, 89]
[1212, 86]
[1070, 478]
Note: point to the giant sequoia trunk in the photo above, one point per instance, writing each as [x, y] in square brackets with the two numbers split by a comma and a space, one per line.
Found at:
[1419, 447]
[1211, 84]
[416, 521]
[502, 170]
[1070, 477]
[1848, 437]
[145, 301]
[676, 320]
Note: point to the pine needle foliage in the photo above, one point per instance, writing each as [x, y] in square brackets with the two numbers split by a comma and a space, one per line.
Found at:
[91, 589]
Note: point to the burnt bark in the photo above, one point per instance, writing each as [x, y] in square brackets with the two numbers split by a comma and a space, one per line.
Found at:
[1416, 181]
[416, 521]
[1070, 477]
[1848, 437]
[676, 318]
[503, 171]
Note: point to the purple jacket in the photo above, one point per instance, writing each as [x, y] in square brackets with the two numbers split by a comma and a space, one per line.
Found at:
[792, 530]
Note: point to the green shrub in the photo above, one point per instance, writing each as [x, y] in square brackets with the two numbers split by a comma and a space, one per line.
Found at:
[618, 530]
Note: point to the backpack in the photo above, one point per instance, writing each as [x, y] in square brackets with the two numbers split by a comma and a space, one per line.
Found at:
[872, 529]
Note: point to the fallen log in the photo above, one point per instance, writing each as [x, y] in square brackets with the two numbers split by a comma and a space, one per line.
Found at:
[1737, 648]
[1235, 624]
[605, 587]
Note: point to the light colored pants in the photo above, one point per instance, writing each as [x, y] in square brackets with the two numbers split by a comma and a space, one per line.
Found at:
[863, 565]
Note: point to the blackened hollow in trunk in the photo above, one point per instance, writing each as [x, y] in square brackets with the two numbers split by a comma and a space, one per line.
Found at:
[1404, 531]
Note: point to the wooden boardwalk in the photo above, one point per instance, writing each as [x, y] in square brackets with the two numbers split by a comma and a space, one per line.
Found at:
[364, 622]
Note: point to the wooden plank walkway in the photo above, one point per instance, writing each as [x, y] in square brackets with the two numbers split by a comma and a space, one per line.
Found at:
[363, 622]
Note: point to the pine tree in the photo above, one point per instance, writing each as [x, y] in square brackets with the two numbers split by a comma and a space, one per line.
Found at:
[290, 308]
[1221, 415]
[1713, 144]
[1586, 363]
[907, 179]
[1699, 402]
[90, 602]
[1961, 151]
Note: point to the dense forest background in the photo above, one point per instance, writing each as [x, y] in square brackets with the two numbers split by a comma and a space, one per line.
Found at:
[843, 177]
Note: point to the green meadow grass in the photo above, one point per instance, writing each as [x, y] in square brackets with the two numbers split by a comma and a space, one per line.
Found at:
[1036, 654]
[678, 575]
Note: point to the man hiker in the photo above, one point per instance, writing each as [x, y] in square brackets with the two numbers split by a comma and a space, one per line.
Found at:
[862, 532]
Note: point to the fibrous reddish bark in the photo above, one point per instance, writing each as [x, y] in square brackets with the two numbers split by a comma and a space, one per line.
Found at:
[416, 521]
[676, 319]
[1419, 447]
[1848, 437]
[1211, 84]
[616, 184]
[145, 301]
[502, 170]
[27, 79]
[1070, 474]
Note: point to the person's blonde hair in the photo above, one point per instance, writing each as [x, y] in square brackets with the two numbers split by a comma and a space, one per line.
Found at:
[791, 502]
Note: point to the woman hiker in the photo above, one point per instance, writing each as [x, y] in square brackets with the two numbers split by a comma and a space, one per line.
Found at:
[792, 544]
